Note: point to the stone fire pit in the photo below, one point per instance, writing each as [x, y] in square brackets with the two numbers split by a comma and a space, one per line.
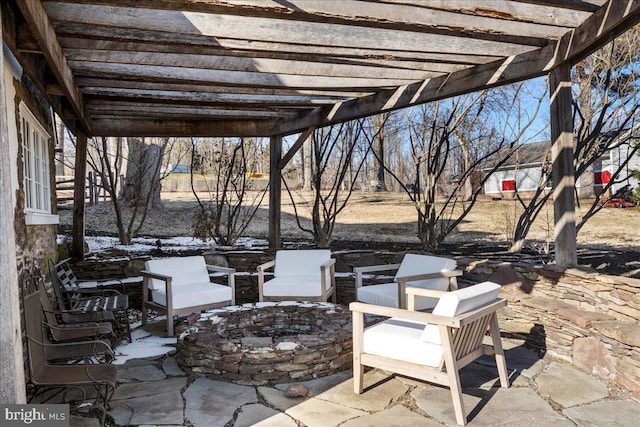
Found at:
[267, 343]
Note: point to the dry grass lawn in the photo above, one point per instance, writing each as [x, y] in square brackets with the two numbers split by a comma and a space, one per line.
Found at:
[380, 217]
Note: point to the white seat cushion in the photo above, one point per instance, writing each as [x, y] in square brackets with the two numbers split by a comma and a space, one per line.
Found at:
[191, 269]
[460, 302]
[400, 339]
[299, 286]
[193, 294]
[386, 294]
[301, 262]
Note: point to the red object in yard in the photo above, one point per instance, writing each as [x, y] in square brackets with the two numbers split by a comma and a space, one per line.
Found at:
[617, 202]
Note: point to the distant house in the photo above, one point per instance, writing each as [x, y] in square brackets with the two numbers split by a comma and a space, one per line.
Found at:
[174, 168]
[521, 172]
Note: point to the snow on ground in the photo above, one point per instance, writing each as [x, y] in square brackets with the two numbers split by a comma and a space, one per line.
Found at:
[144, 345]
[99, 244]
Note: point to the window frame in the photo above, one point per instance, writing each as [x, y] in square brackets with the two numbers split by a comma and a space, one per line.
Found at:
[36, 164]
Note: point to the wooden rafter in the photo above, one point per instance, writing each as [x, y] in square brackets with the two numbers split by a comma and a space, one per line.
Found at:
[613, 18]
[38, 21]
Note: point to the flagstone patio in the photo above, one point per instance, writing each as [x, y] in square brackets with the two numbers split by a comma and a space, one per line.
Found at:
[155, 391]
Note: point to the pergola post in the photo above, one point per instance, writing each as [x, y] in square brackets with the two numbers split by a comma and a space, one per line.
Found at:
[77, 231]
[275, 191]
[563, 172]
[12, 386]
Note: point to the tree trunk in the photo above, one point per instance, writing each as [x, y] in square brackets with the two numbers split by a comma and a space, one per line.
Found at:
[60, 148]
[381, 186]
[142, 182]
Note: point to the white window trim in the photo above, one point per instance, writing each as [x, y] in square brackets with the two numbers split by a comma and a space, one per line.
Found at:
[35, 216]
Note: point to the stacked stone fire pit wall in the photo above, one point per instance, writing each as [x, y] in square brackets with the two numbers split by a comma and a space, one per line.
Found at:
[267, 343]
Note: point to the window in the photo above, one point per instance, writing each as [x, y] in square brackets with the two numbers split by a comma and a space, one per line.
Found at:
[35, 156]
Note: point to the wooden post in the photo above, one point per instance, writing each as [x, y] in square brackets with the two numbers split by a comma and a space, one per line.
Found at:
[77, 231]
[563, 174]
[12, 385]
[275, 191]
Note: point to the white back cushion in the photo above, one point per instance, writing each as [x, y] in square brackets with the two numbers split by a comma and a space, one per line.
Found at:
[413, 264]
[459, 302]
[183, 270]
[300, 263]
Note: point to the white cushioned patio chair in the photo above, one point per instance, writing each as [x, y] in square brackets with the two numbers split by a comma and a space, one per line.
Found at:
[418, 271]
[431, 346]
[299, 275]
[182, 285]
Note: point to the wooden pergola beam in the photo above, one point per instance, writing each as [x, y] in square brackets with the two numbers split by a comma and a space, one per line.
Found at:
[177, 128]
[42, 30]
[275, 191]
[295, 147]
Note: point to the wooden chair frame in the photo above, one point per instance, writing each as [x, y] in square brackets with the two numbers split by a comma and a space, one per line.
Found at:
[462, 341]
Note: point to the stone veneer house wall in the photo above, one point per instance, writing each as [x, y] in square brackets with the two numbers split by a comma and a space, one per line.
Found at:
[29, 125]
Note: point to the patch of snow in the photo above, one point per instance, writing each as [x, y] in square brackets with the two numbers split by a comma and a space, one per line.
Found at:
[144, 345]
[287, 346]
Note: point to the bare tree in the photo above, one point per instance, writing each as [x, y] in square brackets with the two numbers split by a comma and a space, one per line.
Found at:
[332, 177]
[606, 106]
[230, 207]
[108, 158]
[449, 144]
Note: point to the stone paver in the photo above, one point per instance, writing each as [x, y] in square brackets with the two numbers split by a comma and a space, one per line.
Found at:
[140, 373]
[520, 407]
[310, 411]
[129, 390]
[163, 408]
[171, 368]
[379, 391]
[398, 416]
[569, 386]
[212, 403]
[606, 413]
[83, 422]
[257, 415]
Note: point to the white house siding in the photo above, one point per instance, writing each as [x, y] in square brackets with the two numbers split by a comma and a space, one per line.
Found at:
[526, 179]
[617, 157]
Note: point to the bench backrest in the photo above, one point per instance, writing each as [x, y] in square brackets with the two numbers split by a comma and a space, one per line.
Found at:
[300, 262]
[413, 264]
[183, 270]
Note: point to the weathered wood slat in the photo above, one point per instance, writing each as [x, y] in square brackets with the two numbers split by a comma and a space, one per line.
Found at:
[279, 30]
[199, 97]
[200, 44]
[262, 65]
[508, 22]
[108, 83]
[164, 127]
[240, 78]
[426, 62]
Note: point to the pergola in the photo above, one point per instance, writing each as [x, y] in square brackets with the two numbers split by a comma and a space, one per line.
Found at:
[281, 67]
